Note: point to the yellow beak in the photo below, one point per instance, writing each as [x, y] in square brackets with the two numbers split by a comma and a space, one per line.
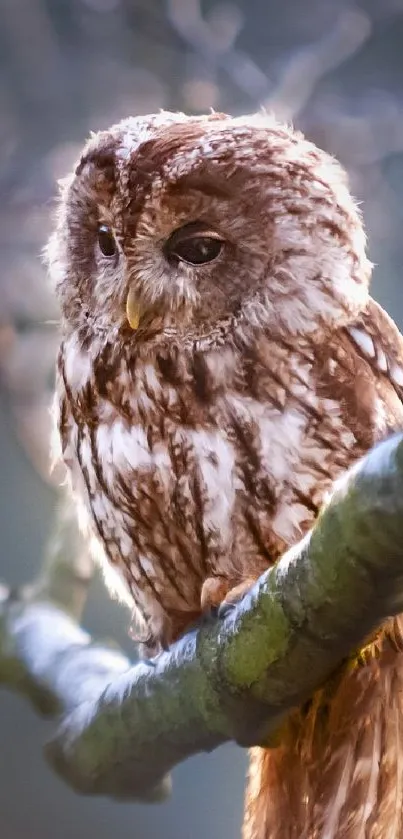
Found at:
[133, 310]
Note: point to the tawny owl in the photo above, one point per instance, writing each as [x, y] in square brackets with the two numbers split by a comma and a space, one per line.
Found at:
[221, 363]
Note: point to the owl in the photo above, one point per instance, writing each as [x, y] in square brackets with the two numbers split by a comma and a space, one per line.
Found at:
[221, 364]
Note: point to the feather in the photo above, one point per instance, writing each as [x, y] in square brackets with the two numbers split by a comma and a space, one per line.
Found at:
[388, 819]
[340, 797]
[338, 773]
[368, 805]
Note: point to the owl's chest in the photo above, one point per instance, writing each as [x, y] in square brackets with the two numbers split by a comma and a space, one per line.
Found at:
[180, 483]
[167, 471]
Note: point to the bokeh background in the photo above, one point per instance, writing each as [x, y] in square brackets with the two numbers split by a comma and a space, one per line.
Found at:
[333, 67]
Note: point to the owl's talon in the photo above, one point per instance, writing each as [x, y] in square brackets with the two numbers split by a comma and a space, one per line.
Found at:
[233, 597]
[235, 594]
[224, 609]
[218, 599]
[214, 591]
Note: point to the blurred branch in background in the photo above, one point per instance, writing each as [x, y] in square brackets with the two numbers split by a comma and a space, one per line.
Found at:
[122, 728]
[308, 66]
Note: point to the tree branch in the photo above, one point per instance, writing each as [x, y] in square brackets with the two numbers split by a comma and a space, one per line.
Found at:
[122, 728]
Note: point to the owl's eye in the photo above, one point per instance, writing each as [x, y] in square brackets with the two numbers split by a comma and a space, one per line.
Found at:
[192, 246]
[106, 240]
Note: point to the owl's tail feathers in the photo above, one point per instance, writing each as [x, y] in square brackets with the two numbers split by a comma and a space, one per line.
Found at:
[338, 773]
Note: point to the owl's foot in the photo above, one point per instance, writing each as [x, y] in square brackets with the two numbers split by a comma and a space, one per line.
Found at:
[217, 593]
[236, 593]
[214, 591]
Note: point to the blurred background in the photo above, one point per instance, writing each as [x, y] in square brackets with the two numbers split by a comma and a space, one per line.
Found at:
[334, 68]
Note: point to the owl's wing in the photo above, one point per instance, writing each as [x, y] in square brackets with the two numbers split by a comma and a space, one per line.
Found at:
[377, 338]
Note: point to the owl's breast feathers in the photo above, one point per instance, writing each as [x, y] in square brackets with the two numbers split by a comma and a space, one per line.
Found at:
[197, 464]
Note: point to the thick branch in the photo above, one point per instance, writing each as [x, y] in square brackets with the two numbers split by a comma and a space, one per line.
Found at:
[122, 728]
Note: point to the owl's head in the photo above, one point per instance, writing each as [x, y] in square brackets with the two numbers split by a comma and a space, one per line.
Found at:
[186, 226]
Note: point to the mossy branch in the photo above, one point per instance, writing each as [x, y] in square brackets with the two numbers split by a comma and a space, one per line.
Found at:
[121, 728]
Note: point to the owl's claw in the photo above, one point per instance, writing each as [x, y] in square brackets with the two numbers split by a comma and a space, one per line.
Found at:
[218, 599]
[235, 594]
[214, 591]
[224, 609]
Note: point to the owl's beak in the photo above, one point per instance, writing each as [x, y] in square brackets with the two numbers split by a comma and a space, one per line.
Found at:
[133, 309]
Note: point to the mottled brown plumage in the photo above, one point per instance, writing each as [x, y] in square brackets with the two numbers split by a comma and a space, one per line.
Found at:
[221, 364]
